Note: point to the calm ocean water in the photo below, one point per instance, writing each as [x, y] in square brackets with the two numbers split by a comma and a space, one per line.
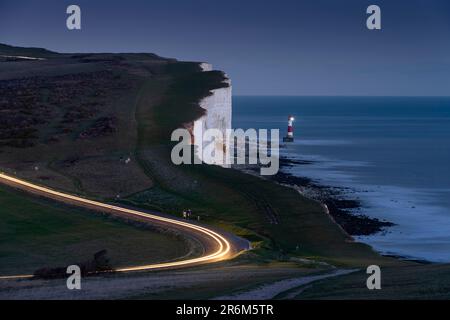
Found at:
[394, 153]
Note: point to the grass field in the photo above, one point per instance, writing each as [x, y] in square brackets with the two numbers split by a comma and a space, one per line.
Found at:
[35, 233]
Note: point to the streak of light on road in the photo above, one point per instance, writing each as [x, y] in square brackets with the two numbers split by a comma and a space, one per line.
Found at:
[221, 253]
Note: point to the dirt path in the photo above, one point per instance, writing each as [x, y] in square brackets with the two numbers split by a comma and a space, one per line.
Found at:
[270, 291]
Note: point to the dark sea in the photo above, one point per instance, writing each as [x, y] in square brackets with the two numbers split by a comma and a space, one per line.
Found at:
[391, 153]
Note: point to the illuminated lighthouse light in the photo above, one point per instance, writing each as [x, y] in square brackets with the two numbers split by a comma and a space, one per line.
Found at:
[290, 131]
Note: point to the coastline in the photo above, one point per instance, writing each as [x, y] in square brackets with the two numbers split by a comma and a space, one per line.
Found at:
[335, 204]
[374, 164]
[340, 208]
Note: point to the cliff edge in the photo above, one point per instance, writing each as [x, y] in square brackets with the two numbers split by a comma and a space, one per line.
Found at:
[218, 115]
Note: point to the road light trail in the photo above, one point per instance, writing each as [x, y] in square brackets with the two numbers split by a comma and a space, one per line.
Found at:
[222, 252]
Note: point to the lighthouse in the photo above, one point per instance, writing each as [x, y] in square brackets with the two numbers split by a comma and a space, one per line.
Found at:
[290, 131]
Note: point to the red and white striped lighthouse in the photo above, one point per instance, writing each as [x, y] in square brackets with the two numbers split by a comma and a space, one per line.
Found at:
[290, 131]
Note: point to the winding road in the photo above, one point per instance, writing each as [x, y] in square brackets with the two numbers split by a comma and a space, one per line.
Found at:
[217, 245]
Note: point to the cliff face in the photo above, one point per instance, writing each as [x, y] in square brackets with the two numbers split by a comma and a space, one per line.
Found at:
[218, 115]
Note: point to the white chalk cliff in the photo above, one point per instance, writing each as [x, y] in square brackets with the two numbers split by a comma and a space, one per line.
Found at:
[218, 115]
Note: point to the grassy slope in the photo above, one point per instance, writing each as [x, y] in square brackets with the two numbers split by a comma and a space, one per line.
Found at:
[35, 233]
[74, 97]
[227, 197]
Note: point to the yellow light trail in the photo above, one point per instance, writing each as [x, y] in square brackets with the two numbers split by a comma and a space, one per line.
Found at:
[223, 250]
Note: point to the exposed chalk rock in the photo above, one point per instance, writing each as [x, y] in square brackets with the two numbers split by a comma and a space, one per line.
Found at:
[206, 66]
[218, 115]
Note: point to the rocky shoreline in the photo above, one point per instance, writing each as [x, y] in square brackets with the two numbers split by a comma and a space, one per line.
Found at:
[339, 206]
[343, 210]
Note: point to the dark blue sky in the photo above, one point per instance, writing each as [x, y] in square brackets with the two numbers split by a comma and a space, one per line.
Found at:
[284, 47]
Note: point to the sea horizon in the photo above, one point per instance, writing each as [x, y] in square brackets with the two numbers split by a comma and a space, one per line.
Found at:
[339, 96]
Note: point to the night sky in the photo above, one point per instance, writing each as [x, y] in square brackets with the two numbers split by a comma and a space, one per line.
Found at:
[282, 47]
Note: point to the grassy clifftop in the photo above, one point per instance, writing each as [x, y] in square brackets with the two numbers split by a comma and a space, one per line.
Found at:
[99, 125]
[69, 122]
[28, 52]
